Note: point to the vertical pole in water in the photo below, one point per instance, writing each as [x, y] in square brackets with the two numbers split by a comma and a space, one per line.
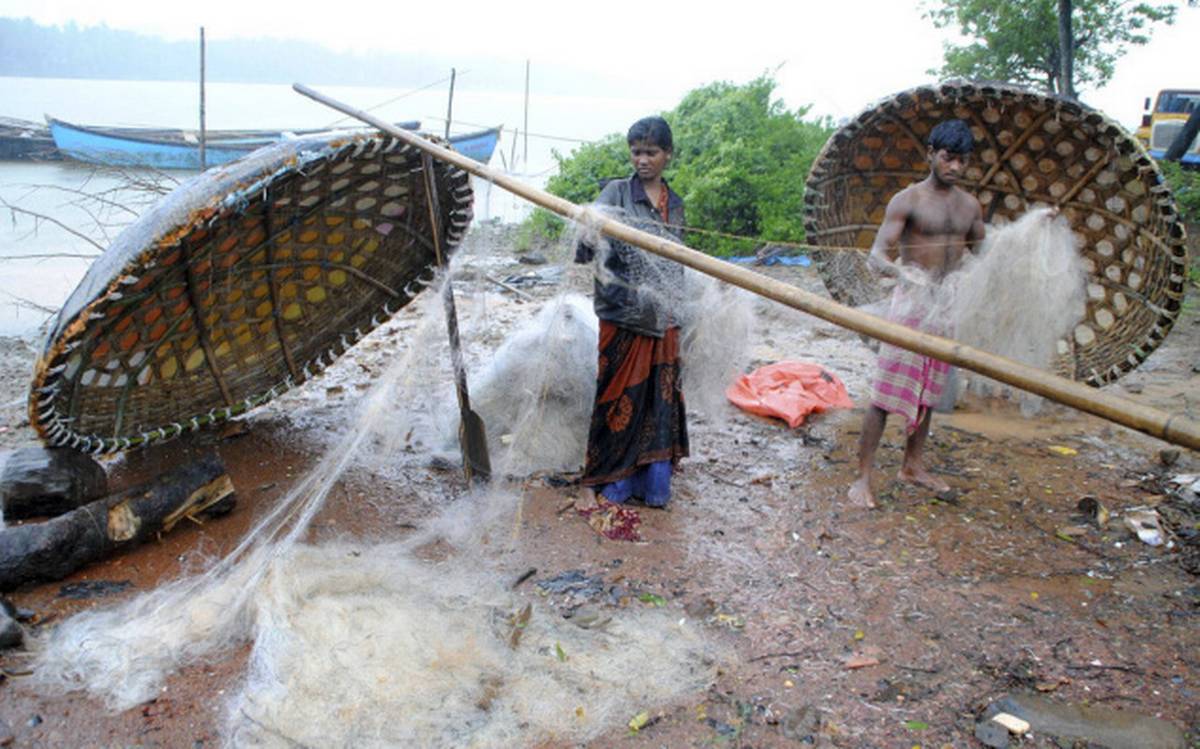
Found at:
[202, 137]
[526, 157]
[450, 105]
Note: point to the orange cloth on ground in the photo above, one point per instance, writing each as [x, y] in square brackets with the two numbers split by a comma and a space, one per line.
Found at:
[789, 390]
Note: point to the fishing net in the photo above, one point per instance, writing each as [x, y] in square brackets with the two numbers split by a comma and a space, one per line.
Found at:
[365, 646]
[537, 390]
[244, 282]
[387, 643]
[1017, 297]
[1032, 150]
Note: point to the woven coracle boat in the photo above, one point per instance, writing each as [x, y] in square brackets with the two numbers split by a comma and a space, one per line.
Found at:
[245, 281]
[1031, 150]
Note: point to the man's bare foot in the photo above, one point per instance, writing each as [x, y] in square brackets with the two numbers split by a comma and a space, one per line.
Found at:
[860, 494]
[921, 477]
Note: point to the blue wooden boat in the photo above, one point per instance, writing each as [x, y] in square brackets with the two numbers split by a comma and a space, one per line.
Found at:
[478, 145]
[180, 149]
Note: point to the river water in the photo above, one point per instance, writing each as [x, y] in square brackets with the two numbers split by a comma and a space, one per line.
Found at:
[29, 286]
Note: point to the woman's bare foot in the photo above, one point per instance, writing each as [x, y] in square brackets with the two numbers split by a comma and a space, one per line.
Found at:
[860, 494]
[921, 477]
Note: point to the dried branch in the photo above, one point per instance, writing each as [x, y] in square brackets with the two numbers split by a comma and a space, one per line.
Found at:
[23, 302]
[85, 196]
[50, 219]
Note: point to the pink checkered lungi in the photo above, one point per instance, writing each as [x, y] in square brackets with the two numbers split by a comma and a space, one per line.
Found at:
[908, 383]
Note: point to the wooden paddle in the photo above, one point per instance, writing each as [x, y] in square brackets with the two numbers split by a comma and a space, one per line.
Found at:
[1177, 427]
[472, 436]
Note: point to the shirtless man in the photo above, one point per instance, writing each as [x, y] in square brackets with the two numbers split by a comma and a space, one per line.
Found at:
[925, 231]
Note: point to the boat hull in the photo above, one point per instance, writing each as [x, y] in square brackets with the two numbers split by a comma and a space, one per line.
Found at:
[93, 146]
[168, 149]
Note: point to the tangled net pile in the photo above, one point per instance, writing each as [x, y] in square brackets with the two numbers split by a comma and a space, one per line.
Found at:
[378, 645]
[537, 390]
[1020, 296]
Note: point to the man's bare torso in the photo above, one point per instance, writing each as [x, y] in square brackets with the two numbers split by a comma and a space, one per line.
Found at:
[939, 226]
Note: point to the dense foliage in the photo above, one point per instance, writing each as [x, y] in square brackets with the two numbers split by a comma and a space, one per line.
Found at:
[740, 163]
[1185, 184]
[1017, 40]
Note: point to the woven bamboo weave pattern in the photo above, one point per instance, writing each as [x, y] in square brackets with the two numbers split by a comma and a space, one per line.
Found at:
[244, 282]
[1031, 150]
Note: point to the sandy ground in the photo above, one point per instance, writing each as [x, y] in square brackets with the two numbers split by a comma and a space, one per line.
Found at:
[949, 604]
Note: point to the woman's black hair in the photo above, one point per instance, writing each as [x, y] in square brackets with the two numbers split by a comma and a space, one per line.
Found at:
[653, 130]
[953, 136]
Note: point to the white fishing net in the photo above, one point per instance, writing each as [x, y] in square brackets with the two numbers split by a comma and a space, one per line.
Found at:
[536, 392]
[384, 644]
[1023, 291]
[371, 647]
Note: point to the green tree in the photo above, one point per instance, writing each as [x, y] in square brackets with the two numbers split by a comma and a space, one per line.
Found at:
[740, 163]
[1018, 40]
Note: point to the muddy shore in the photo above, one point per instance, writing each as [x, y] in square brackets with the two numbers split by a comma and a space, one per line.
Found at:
[850, 628]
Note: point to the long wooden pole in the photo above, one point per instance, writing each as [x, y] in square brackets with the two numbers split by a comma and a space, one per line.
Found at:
[525, 159]
[450, 104]
[472, 435]
[1175, 428]
[203, 137]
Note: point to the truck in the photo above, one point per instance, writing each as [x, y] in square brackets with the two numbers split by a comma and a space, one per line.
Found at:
[1163, 123]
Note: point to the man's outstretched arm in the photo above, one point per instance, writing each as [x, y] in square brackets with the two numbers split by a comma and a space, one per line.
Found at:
[886, 248]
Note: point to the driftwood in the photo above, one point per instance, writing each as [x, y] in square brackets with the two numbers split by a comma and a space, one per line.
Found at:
[54, 549]
[40, 482]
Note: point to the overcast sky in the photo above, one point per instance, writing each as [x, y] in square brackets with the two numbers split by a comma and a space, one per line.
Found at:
[839, 56]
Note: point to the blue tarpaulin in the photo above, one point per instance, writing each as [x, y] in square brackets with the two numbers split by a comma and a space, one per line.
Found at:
[801, 260]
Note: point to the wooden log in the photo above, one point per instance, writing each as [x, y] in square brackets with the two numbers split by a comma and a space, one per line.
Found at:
[44, 482]
[39, 552]
[1176, 428]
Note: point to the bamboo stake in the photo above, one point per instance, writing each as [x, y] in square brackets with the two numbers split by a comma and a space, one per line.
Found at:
[1174, 428]
[525, 159]
[203, 135]
[450, 104]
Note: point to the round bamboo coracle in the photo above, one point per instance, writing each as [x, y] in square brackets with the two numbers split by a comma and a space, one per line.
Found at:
[1031, 150]
[245, 281]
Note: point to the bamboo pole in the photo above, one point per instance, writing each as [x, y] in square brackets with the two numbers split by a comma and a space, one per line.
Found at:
[525, 159]
[450, 104]
[1174, 428]
[202, 128]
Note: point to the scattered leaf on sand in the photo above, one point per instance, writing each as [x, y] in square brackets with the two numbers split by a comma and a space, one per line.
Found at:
[858, 661]
[518, 622]
[651, 599]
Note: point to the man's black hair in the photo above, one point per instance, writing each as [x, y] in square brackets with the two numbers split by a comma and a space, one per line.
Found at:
[653, 130]
[953, 136]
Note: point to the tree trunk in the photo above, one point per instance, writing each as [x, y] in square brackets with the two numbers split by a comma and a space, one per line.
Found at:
[1066, 50]
[44, 482]
[54, 549]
